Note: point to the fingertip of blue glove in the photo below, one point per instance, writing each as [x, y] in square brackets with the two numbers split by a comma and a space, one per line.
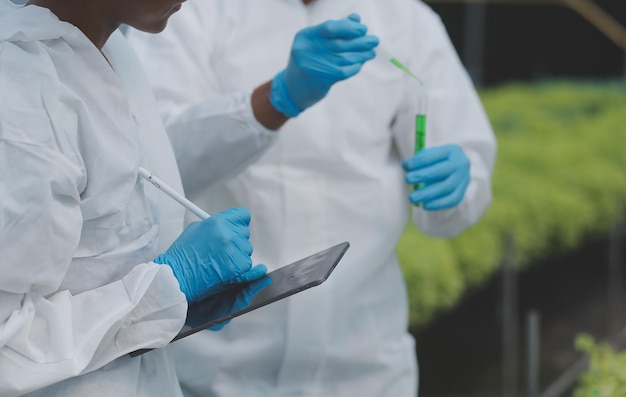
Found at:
[408, 178]
[360, 27]
[354, 17]
[219, 326]
[415, 198]
[260, 269]
[254, 273]
[239, 214]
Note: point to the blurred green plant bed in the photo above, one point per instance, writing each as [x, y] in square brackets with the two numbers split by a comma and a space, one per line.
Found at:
[605, 376]
[560, 177]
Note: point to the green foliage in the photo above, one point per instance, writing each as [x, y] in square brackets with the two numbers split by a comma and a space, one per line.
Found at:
[559, 178]
[606, 376]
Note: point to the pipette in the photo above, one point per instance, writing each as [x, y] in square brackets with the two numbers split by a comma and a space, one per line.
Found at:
[165, 188]
[386, 55]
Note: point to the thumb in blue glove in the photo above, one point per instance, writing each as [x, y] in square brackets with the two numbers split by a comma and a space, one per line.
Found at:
[321, 55]
[445, 172]
[211, 254]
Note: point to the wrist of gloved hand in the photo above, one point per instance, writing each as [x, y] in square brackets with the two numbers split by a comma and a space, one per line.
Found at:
[163, 259]
[279, 98]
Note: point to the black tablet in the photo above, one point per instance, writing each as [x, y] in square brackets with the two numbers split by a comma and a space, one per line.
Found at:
[281, 283]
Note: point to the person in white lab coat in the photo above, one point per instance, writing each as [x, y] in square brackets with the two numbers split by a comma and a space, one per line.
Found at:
[94, 264]
[341, 170]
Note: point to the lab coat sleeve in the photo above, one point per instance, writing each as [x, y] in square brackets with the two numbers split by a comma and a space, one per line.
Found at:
[214, 135]
[215, 139]
[454, 116]
[46, 334]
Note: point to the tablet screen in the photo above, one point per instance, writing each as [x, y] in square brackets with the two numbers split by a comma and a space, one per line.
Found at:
[242, 298]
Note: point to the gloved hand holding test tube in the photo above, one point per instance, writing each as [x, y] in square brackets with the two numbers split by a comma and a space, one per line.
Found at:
[440, 174]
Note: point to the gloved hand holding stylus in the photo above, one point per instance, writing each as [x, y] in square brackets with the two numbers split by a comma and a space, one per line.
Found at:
[445, 173]
[212, 254]
[321, 55]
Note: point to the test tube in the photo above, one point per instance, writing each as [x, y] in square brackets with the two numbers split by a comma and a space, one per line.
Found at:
[420, 119]
[420, 125]
[422, 103]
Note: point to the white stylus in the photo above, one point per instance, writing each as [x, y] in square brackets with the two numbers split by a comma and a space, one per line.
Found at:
[172, 193]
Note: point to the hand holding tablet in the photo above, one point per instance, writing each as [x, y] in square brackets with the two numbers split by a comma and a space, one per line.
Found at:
[242, 298]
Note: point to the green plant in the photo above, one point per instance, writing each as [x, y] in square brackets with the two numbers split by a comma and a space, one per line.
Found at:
[606, 376]
[559, 179]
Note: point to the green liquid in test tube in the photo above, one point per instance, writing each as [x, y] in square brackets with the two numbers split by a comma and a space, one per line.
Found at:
[420, 127]
[420, 132]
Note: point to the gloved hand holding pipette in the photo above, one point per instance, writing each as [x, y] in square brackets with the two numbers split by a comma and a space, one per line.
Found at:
[212, 254]
[321, 55]
[445, 173]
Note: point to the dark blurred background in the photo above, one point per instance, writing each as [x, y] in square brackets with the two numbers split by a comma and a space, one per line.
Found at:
[505, 41]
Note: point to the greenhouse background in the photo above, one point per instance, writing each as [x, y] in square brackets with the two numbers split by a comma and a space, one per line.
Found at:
[530, 302]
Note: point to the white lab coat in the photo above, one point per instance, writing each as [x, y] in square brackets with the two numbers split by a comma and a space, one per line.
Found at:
[333, 175]
[78, 290]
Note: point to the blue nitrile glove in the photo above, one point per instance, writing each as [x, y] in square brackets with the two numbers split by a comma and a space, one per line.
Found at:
[321, 55]
[243, 297]
[210, 255]
[445, 171]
